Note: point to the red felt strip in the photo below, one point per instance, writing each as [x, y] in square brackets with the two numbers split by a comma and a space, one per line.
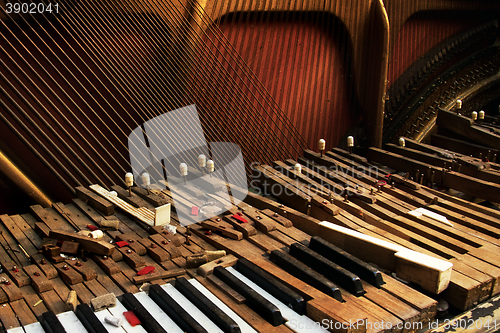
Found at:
[132, 318]
[239, 218]
[92, 227]
[146, 270]
[121, 243]
[194, 210]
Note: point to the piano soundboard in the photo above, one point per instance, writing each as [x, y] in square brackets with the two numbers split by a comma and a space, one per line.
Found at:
[371, 258]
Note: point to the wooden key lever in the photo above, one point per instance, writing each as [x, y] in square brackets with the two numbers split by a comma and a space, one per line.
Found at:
[89, 244]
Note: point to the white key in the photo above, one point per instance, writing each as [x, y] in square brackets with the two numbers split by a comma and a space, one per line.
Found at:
[34, 328]
[118, 311]
[296, 322]
[244, 327]
[161, 317]
[71, 323]
[111, 328]
[15, 330]
[196, 313]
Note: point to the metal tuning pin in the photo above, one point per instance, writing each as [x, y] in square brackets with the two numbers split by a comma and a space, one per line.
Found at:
[202, 162]
[184, 171]
[402, 142]
[350, 143]
[458, 104]
[321, 146]
[146, 181]
[129, 182]
[210, 167]
[474, 115]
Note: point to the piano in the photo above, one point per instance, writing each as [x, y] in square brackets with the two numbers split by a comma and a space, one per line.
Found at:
[415, 195]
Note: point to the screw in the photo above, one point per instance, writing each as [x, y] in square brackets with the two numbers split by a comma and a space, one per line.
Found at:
[65, 267]
[129, 251]
[36, 274]
[78, 264]
[153, 246]
[43, 261]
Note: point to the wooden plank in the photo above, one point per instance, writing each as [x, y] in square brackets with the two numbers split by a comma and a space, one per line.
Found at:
[107, 264]
[51, 218]
[84, 295]
[23, 312]
[96, 288]
[53, 302]
[465, 126]
[94, 200]
[28, 231]
[124, 283]
[44, 265]
[461, 146]
[11, 290]
[33, 301]
[8, 317]
[131, 258]
[83, 268]
[68, 273]
[38, 280]
[89, 244]
[11, 268]
[11, 245]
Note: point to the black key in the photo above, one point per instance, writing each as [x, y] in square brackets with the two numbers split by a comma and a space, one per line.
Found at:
[147, 320]
[89, 320]
[51, 323]
[254, 300]
[270, 284]
[365, 271]
[330, 270]
[180, 316]
[301, 271]
[212, 311]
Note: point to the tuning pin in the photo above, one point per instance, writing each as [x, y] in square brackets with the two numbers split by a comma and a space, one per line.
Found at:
[202, 162]
[146, 181]
[321, 146]
[129, 182]
[459, 104]
[184, 170]
[210, 167]
[350, 143]
[402, 142]
[481, 116]
[474, 115]
[298, 168]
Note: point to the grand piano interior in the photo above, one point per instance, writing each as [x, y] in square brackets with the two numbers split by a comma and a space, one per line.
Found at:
[273, 77]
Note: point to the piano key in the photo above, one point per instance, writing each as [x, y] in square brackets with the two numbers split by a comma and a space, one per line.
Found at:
[298, 323]
[206, 306]
[149, 314]
[179, 314]
[365, 271]
[34, 328]
[259, 304]
[51, 323]
[270, 284]
[328, 269]
[243, 325]
[303, 272]
[89, 319]
[15, 330]
[166, 322]
[110, 328]
[118, 311]
[199, 316]
[71, 323]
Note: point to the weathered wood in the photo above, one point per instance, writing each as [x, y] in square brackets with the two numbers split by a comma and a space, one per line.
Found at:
[23, 312]
[38, 280]
[465, 126]
[88, 244]
[68, 273]
[94, 200]
[11, 290]
[139, 279]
